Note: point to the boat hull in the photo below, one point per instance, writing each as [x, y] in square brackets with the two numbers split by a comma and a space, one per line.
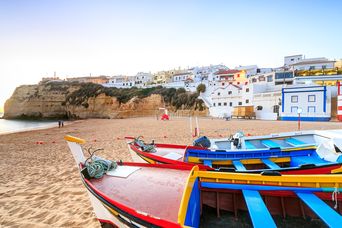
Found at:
[255, 165]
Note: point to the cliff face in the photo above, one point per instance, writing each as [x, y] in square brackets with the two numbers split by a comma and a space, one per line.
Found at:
[51, 101]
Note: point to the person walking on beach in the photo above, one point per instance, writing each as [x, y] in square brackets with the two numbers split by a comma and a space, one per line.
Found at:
[62, 122]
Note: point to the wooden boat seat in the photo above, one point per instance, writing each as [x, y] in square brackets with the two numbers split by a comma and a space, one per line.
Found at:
[257, 209]
[239, 166]
[300, 160]
[132, 191]
[270, 163]
[294, 142]
[249, 145]
[270, 144]
[321, 209]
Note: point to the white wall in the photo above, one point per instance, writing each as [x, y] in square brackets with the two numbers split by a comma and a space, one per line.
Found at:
[288, 60]
[303, 103]
[317, 66]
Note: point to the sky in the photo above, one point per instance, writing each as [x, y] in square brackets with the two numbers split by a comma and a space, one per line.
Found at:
[83, 37]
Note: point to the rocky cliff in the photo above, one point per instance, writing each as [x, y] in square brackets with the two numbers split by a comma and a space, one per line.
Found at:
[75, 100]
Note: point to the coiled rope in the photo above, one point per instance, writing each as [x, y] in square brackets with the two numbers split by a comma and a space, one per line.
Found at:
[97, 166]
[145, 147]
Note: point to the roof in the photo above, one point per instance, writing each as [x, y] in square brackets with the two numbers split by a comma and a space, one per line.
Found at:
[312, 62]
[223, 71]
[185, 73]
[225, 87]
[293, 55]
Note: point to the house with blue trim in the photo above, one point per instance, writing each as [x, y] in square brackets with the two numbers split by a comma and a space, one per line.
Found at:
[315, 102]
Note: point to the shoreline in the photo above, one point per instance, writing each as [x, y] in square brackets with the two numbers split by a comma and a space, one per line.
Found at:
[32, 129]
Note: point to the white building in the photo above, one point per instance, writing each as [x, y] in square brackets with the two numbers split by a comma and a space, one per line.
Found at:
[313, 64]
[292, 59]
[143, 79]
[181, 77]
[313, 101]
[224, 99]
[120, 81]
[250, 70]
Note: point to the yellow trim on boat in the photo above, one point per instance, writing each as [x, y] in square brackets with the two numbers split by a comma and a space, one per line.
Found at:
[70, 138]
[186, 195]
[243, 161]
[338, 170]
[315, 181]
[114, 212]
[300, 148]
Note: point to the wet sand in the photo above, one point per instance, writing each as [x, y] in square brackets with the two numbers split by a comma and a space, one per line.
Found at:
[40, 184]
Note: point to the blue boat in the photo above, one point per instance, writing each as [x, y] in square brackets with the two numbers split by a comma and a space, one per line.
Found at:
[307, 152]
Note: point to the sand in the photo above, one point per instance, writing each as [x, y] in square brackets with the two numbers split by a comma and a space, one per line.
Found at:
[40, 184]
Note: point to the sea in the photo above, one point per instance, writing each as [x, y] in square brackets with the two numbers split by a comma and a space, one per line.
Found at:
[10, 126]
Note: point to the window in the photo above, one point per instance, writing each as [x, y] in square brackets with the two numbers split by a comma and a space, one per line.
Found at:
[214, 104]
[247, 90]
[225, 104]
[312, 98]
[218, 94]
[324, 67]
[219, 104]
[294, 99]
[294, 109]
[229, 92]
[261, 78]
[254, 80]
[311, 67]
[311, 109]
[240, 103]
[259, 108]
[292, 60]
[230, 104]
[238, 75]
[222, 83]
[269, 78]
[247, 101]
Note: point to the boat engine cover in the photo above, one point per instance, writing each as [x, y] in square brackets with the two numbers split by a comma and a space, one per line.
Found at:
[202, 142]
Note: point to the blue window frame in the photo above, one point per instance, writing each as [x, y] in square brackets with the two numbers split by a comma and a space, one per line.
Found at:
[312, 98]
[311, 109]
[294, 109]
[294, 99]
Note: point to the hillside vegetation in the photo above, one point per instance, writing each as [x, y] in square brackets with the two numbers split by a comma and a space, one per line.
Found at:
[177, 98]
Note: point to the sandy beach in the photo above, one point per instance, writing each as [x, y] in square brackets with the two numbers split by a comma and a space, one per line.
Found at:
[40, 184]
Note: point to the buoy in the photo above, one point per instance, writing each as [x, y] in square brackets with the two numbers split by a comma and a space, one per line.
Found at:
[53, 142]
[118, 138]
[39, 142]
[220, 136]
[94, 140]
[165, 136]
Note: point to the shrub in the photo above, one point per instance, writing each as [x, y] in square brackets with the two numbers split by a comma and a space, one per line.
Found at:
[201, 88]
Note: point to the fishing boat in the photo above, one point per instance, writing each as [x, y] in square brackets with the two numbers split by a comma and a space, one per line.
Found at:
[311, 152]
[161, 195]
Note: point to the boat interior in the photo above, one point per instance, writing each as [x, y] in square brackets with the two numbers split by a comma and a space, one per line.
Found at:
[266, 142]
[276, 206]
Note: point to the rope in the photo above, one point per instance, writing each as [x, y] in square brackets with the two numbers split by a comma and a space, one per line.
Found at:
[97, 166]
[334, 197]
[145, 147]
